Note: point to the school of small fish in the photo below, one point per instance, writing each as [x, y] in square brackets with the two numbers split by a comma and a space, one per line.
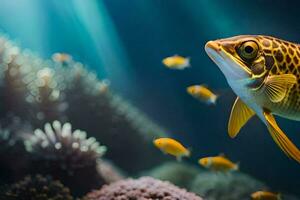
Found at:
[259, 70]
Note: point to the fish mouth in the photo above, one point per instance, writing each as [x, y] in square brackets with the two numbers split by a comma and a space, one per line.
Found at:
[232, 68]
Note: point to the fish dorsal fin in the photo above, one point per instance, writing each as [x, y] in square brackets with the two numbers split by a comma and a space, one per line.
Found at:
[276, 86]
[240, 114]
[280, 138]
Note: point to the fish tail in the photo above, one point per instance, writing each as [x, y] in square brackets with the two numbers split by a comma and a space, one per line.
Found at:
[188, 62]
[214, 99]
[237, 166]
[279, 197]
[281, 139]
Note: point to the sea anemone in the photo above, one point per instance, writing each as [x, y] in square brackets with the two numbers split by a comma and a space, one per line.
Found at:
[145, 188]
[66, 155]
[37, 188]
[221, 186]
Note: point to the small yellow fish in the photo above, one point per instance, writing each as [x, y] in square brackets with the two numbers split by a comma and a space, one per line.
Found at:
[172, 147]
[218, 163]
[176, 62]
[61, 57]
[202, 93]
[264, 195]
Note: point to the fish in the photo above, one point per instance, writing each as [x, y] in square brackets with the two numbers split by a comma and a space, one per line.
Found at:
[218, 163]
[176, 62]
[265, 195]
[172, 147]
[202, 93]
[264, 73]
[61, 57]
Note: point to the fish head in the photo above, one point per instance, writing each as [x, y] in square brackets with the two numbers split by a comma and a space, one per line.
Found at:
[193, 90]
[159, 143]
[243, 58]
[205, 162]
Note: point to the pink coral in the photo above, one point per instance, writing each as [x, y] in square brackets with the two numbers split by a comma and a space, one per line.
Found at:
[145, 188]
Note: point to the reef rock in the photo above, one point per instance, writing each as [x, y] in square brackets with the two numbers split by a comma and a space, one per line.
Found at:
[37, 188]
[145, 188]
[180, 174]
[225, 186]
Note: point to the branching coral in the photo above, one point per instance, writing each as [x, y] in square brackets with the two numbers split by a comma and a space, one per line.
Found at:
[37, 188]
[145, 188]
[67, 155]
[220, 186]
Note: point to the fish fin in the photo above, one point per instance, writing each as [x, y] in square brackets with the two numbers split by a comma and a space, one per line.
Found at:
[214, 99]
[237, 166]
[188, 62]
[280, 138]
[189, 152]
[240, 114]
[279, 196]
[276, 86]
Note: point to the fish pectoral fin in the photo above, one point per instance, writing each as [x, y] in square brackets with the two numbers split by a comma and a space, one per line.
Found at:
[280, 138]
[276, 86]
[240, 114]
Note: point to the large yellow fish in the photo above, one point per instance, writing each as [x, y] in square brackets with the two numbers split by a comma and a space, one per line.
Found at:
[172, 147]
[264, 72]
[202, 93]
[264, 195]
[176, 62]
[218, 163]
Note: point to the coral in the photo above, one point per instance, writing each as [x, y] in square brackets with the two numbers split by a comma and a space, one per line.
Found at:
[180, 174]
[66, 155]
[37, 188]
[225, 186]
[39, 91]
[31, 87]
[143, 188]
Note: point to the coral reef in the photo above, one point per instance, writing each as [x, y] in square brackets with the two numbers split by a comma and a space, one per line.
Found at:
[225, 186]
[66, 155]
[39, 91]
[180, 174]
[37, 188]
[30, 87]
[143, 188]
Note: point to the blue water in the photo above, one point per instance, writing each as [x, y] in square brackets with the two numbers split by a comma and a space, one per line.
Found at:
[125, 42]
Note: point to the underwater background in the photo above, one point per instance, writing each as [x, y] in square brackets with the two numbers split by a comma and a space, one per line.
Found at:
[125, 42]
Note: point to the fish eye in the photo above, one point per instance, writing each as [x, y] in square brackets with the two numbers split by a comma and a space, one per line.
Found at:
[248, 50]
